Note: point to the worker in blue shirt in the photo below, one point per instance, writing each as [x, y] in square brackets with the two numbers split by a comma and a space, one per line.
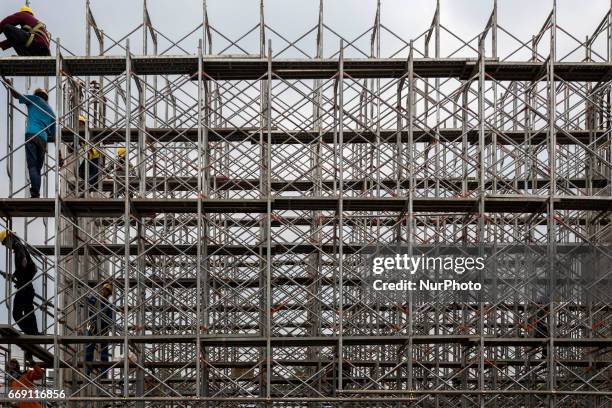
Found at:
[40, 124]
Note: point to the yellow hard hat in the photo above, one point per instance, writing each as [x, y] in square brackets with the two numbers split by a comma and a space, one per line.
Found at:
[121, 152]
[27, 9]
[3, 235]
[82, 119]
[108, 286]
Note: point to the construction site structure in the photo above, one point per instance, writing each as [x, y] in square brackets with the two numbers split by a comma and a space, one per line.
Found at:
[255, 183]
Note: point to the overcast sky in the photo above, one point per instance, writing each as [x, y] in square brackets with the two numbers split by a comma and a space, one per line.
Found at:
[292, 18]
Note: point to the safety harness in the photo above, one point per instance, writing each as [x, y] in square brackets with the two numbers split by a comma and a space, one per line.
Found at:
[38, 30]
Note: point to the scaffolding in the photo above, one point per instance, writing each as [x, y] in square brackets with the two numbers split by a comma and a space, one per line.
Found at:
[257, 180]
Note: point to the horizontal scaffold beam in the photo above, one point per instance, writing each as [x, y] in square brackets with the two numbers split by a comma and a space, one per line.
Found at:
[277, 248]
[191, 249]
[7, 331]
[455, 183]
[321, 280]
[115, 207]
[247, 340]
[258, 135]
[361, 363]
[251, 68]
[378, 221]
[250, 364]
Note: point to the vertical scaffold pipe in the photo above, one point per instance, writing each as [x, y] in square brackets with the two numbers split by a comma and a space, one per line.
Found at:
[552, 231]
[57, 258]
[126, 220]
[481, 200]
[199, 242]
[268, 226]
[340, 212]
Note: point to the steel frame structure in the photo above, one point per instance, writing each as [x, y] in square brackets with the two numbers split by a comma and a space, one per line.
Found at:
[254, 185]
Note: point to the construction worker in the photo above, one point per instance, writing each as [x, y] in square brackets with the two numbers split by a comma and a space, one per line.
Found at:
[40, 124]
[119, 171]
[121, 157]
[24, 380]
[25, 270]
[93, 159]
[100, 318]
[25, 33]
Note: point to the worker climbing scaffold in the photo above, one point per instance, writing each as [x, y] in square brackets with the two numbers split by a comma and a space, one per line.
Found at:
[40, 125]
[100, 319]
[90, 167]
[25, 270]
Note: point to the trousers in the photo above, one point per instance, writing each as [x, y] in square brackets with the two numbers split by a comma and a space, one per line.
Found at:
[17, 38]
[35, 157]
[90, 349]
[23, 310]
[94, 170]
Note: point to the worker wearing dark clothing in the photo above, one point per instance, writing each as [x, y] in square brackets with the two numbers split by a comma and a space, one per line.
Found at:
[93, 167]
[118, 169]
[93, 163]
[25, 33]
[25, 270]
[100, 318]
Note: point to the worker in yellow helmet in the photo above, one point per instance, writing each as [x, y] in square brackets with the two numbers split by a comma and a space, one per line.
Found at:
[118, 168]
[99, 322]
[93, 161]
[121, 161]
[25, 33]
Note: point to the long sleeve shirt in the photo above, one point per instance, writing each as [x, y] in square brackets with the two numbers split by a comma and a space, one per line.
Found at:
[41, 118]
[23, 18]
[25, 268]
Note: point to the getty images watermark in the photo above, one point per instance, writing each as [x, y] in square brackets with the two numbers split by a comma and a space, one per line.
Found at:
[458, 273]
[425, 273]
